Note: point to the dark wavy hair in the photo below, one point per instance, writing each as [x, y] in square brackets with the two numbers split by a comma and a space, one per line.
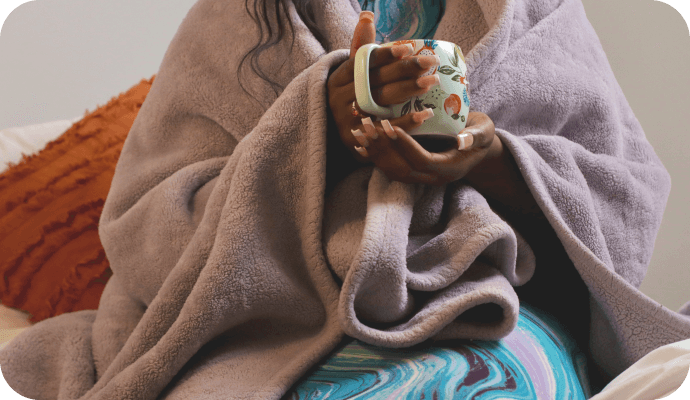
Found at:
[260, 17]
[259, 14]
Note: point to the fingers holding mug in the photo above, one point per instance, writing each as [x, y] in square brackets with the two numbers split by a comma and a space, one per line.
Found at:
[437, 81]
[410, 121]
[376, 89]
[375, 136]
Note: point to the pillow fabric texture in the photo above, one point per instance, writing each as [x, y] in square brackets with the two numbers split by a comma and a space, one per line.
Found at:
[52, 261]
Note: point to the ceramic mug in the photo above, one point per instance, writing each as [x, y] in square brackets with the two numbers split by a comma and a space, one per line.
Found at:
[449, 99]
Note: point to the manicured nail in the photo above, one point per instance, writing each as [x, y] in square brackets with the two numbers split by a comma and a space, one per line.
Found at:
[388, 128]
[411, 47]
[423, 115]
[362, 151]
[427, 62]
[360, 137]
[370, 128]
[465, 140]
[364, 15]
[428, 81]
[402, 50]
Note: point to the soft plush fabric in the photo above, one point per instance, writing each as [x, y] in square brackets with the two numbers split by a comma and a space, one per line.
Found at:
[52, 260]
[538, 360]
[234, 272]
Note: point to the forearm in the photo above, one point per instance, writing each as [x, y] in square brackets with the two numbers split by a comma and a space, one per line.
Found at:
[340, 162]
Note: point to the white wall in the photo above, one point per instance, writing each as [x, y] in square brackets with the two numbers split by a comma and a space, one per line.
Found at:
[59, 58]
[648, 46]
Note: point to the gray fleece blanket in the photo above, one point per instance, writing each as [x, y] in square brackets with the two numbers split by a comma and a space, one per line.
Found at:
[235, 271]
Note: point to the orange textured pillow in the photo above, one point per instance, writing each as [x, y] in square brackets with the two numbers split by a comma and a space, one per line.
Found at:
[51, 257]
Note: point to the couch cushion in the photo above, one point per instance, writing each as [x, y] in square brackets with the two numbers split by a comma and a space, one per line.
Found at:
[52, 260]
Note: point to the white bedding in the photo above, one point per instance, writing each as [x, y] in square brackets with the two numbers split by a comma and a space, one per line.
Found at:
[658, 374]
[29, 139]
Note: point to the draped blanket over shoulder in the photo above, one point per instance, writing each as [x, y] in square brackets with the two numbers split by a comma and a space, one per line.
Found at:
[235, 271]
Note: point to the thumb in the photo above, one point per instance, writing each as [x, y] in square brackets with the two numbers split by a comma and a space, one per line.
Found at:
[365, 32]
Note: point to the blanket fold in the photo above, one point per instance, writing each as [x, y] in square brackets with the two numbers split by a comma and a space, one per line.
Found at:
[455, 254]
[235, 272]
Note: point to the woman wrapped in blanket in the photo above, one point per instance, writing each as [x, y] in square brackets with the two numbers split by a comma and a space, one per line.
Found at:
[242, 239]
[483, 162]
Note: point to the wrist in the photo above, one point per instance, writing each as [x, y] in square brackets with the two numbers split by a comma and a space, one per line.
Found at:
[498, 178]
[340, 160]
[487, 173]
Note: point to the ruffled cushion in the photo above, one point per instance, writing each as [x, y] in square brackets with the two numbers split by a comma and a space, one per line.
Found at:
[52, 261]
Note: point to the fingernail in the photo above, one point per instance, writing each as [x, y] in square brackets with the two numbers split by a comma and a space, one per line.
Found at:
[364, 15]
[360, 137]
[398, 51]
[388, 128]
[370, 128]
[402, 50]
[422, 116]
[429, 61]
[465, 140]
[428, 81]
[410, 48]
[362, 151]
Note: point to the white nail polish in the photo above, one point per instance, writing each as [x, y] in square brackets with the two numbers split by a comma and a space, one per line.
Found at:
[465, 140]
[388, 128]
[362, 151]
[422, 116]
[372, 129]
[360, 137]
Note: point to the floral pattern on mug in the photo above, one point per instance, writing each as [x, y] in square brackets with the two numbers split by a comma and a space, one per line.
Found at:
[452, 105]
[454, 68]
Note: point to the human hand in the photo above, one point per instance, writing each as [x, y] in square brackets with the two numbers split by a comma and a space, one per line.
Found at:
[404, 159]
[394, 78]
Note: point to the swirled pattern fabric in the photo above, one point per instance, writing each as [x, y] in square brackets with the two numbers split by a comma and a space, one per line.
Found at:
[538, 360]
[404, 19]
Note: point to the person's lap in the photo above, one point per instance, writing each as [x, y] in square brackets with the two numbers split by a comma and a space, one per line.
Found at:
[538, 360]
